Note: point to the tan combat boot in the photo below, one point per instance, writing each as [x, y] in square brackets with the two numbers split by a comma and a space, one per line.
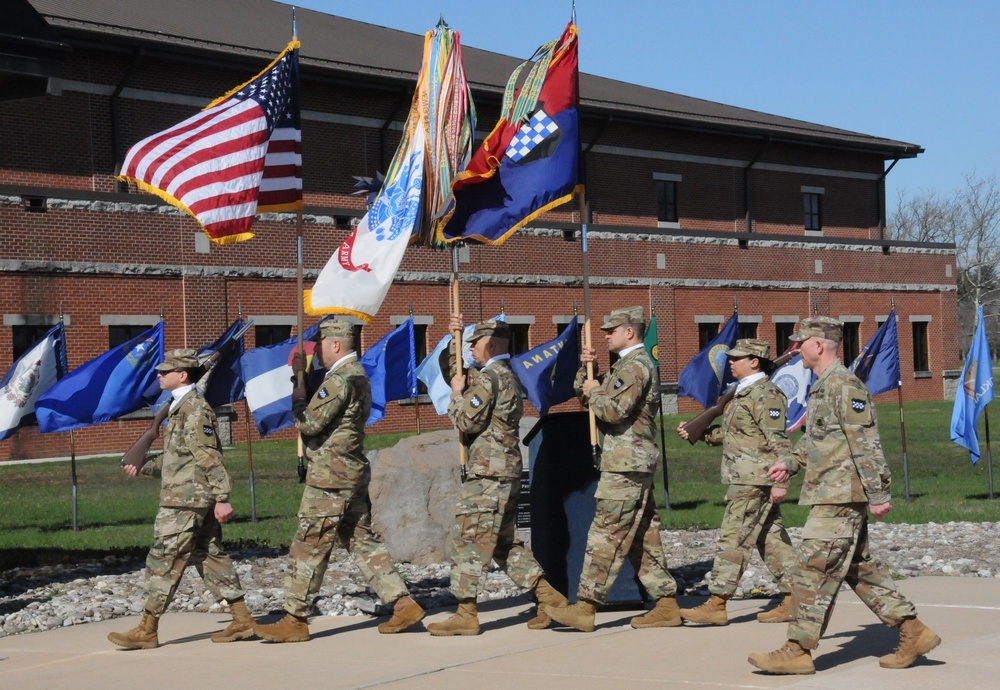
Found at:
[792, 658]
[580, 615]
[666, 614]
[712, 612]
[288, 629]
[242, 626]
[547, 595]
[142, 636]
[782, 613]
[465, 621]
[915, 639]
[405, 613]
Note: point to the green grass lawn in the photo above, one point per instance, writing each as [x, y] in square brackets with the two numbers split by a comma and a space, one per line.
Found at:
[116, 513]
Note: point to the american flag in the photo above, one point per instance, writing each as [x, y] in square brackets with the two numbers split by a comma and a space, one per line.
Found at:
[239, 156]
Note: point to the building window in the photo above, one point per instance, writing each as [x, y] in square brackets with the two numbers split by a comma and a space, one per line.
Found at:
[782, 332]
[26, 336]
[666, 201]
[706, 332]
[357, 338]
[813, 221]
[519, 338]
[271, 334]
[120, 334]
[850, 345]
[747, 329]
[920, 358]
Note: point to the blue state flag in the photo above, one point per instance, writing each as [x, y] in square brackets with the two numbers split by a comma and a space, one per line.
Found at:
[391, 364]
[33, 373]
[104, 388]
[707, 374]
[431, 370]
[975, 393]
[268, 376]
[547, 371]
[878, 363]
[224, 383]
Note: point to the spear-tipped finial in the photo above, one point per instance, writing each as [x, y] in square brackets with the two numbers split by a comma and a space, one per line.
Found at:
[503, 309]
[295, 25]
[442, 24]
[576, 310]
[410, 308]
[161, 312]
[736, 305]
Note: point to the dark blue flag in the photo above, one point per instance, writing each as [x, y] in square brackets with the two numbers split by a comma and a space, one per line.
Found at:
[104, 388]
[224, 380]
[707, 375]
[974, 394]
[391, 364]
[547, 371]
[878, 363]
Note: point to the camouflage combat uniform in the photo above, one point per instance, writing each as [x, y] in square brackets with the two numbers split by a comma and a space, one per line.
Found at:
[844, 472]
[335, 508]
[625, 521]
[752, 436]
[194, 479]
[485, 529]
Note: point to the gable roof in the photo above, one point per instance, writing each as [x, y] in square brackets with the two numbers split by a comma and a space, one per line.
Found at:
[365, 51]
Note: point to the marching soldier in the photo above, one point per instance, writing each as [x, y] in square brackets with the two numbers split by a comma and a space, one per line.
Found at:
[752, 435]
[335, 508]
[846, 475]
[194, 501]
[625, 402]
[485, 529]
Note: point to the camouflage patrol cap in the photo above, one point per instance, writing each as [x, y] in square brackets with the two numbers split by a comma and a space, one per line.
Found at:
[490, 327]
[624, 317]
[182, 358]
[818, 327]
[333, 328]
[751, 347]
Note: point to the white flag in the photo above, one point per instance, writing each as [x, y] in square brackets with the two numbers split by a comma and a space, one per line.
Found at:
[32, 374]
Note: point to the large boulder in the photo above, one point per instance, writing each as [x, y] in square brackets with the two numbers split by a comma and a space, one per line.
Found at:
[413, 491]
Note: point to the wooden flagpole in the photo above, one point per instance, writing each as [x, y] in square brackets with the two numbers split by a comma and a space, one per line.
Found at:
[663, 438]
[595, 450]
[416, 398]
[902, 422]
[456, 337]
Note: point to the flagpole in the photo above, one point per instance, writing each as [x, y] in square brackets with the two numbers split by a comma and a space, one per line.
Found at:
[299, 260]
[72, 470]
[587, 342]
[989, 450]
[459, 364]
[416, 398]
[246, 425]
[663, 438]
[902, 423]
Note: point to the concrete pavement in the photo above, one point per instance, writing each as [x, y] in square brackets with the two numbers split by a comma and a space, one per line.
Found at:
[348, 652]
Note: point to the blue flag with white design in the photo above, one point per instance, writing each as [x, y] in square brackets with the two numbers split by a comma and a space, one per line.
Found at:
[795, 381]
[877, 365]
[391, 364]
[431, 370]
[268, 377]
[33, 373]
[707, 375]
[975, 393]
[547, 371]
[104, 388]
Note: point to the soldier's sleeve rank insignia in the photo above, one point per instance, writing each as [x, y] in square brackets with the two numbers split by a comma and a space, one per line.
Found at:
[476, 402]
[618, 384]
[774, 413]
[858, 405]
[208, 430]
[323, 394]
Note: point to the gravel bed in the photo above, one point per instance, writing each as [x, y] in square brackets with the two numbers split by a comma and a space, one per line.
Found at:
[47, 597]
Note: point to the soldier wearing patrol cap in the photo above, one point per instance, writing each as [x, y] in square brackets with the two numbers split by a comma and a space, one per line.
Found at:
[752, 436]
[625, 402]
[846, 475]
[194, 501]
[488, 413]
[335, 508]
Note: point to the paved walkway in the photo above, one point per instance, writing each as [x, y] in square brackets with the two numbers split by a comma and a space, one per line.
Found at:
[349, 652]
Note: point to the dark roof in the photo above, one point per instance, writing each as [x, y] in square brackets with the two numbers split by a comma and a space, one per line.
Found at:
[29, 51]
[348, 47]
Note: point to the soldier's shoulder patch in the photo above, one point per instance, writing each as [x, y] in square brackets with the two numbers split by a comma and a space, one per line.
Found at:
[323, 393]
[858, 410]
[774, 412]
[476, 402]
[618, 383]
[208, 430]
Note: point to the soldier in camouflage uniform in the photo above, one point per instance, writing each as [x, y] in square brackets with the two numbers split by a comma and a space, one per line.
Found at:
[625, 402]
[752, 436]
[194, 500]
[335, 508]
[845, 476]
[488, 415]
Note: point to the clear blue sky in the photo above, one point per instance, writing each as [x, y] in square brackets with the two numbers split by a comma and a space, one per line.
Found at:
[918, 71]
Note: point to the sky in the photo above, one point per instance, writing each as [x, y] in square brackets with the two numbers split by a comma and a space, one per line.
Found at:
[917, 71]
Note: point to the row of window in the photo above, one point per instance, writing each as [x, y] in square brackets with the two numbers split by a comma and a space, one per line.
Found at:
[26, 335]
[667, 213]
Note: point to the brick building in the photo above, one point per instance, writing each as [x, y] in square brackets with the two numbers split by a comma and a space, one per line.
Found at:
[696, 206]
